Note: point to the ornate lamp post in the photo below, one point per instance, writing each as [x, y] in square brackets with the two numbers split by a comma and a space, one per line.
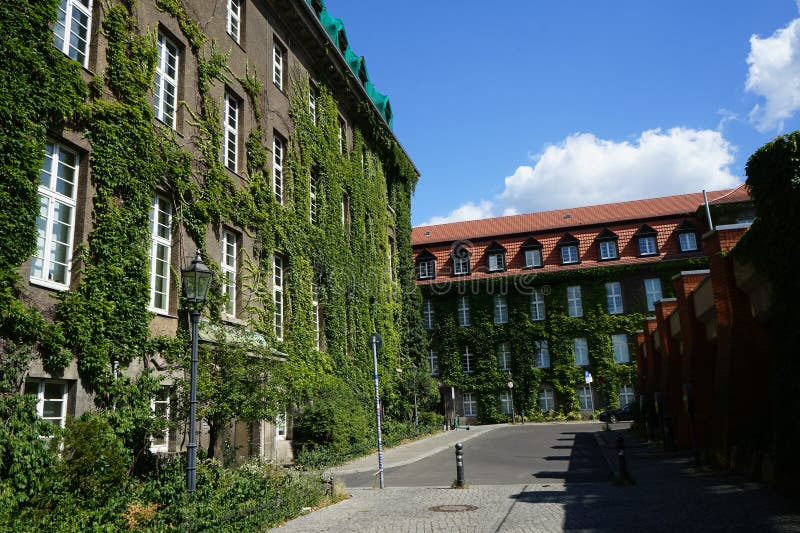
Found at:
[196, 281]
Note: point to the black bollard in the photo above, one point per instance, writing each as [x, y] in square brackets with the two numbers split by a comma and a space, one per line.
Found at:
[620, 443]
[623, 465]
[459, 465]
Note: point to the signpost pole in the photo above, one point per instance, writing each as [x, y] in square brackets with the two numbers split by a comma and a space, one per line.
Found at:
[376, 341]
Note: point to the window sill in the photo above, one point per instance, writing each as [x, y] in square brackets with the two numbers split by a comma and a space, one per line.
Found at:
[161, 312]
[48, 284]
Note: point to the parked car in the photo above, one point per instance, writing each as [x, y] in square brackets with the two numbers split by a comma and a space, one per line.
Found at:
[615, 415]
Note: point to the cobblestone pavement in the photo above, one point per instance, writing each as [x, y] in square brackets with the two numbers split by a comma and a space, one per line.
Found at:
[667, 496]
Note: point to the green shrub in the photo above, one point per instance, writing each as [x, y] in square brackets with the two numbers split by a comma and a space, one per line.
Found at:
[431, 419]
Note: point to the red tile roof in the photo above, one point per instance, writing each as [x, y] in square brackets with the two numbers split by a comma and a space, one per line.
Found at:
[682, 204]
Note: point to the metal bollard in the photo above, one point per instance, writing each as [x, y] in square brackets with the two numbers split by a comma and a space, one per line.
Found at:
[623, 466]
[459, 465]
[620, 443]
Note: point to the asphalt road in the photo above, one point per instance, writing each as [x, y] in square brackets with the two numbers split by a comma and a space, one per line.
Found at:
[521, 454]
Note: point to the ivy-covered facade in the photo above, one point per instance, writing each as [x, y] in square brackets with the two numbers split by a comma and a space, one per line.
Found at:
[535, 314]
[138, 133]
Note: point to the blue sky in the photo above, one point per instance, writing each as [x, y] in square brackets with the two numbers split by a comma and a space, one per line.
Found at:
[529, 105]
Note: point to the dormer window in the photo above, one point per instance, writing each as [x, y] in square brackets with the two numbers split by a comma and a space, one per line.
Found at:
[569, 249]
[646, 240]
[496, 255]
[461, 257]
[532, 250]
[687, 236]
[426, 265]
[607, 244]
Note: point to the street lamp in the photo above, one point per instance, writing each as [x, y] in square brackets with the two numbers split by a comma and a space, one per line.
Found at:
[414, 373]
[196, 280]
[511, 390]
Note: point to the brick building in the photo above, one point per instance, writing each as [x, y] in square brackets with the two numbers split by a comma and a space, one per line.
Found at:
[543, 300]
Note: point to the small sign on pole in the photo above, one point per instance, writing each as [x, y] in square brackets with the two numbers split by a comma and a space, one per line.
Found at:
[510, 384]
[587, 376]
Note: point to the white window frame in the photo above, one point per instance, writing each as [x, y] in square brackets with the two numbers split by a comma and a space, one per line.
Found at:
[580, 349]
[505, 402]
[647, 245]
[278, 60]
[533, 258]
[41, 385]
[278, 267]
[427, 269]
[427, 314]
[52, 199]
[626, 396]
[278, 148]
[585, 398]
[230, 152]
[315, 315]
[537, 306]
[433, 363]
[160, 239]
[162, 402]
[463, 311]
[313, 207]
[541, 353]
[608, 249]
[461, 265]
[280, 426]
[74, 19]
[342, 124]
[687, 241]
[619, 343]
[574, 301]
[547, 398]
[569, 254]
[469, 404]
[497, 262]
[500, 309]
[228, 266]
[234, 19]
[466, 361]
[504, 356]
[614, 297]
[166, 90]
[652, 291]
[312, 102]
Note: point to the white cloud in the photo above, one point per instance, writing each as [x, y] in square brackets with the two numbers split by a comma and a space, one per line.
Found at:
[774, 75]
[585, 170]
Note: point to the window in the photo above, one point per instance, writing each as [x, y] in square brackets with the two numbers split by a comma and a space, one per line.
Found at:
[608, 250]
[277, 295]
[652, 290]
[342, 136]
[625, 395]
[505, 403]
[277, 168]
[504, 357]
[55, 223]
[346, 213]
[687, 241]
[585, 398]
[497, 262]
[463, 311]
[52, 400]
[72, 29]
[542, 353]
[569, 254]
[537, 306]
[620, 345]
[427, 269]
[160, 408]
[546, 400]
[614, 297]
[427, 314]
[466, 361]
[166, 92]
[313, 97]
[228, 266]
[234, 18]
[390, 259]
[278, 56]
[574, 302]
[470, 404]
[647, 245]
[160, 253]
[230, 155]
[313, 209]
[315, 314]
[500, 309]
[581, 351]
[461, 259]
[433, 363]
[533, 258]
[280, 426]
